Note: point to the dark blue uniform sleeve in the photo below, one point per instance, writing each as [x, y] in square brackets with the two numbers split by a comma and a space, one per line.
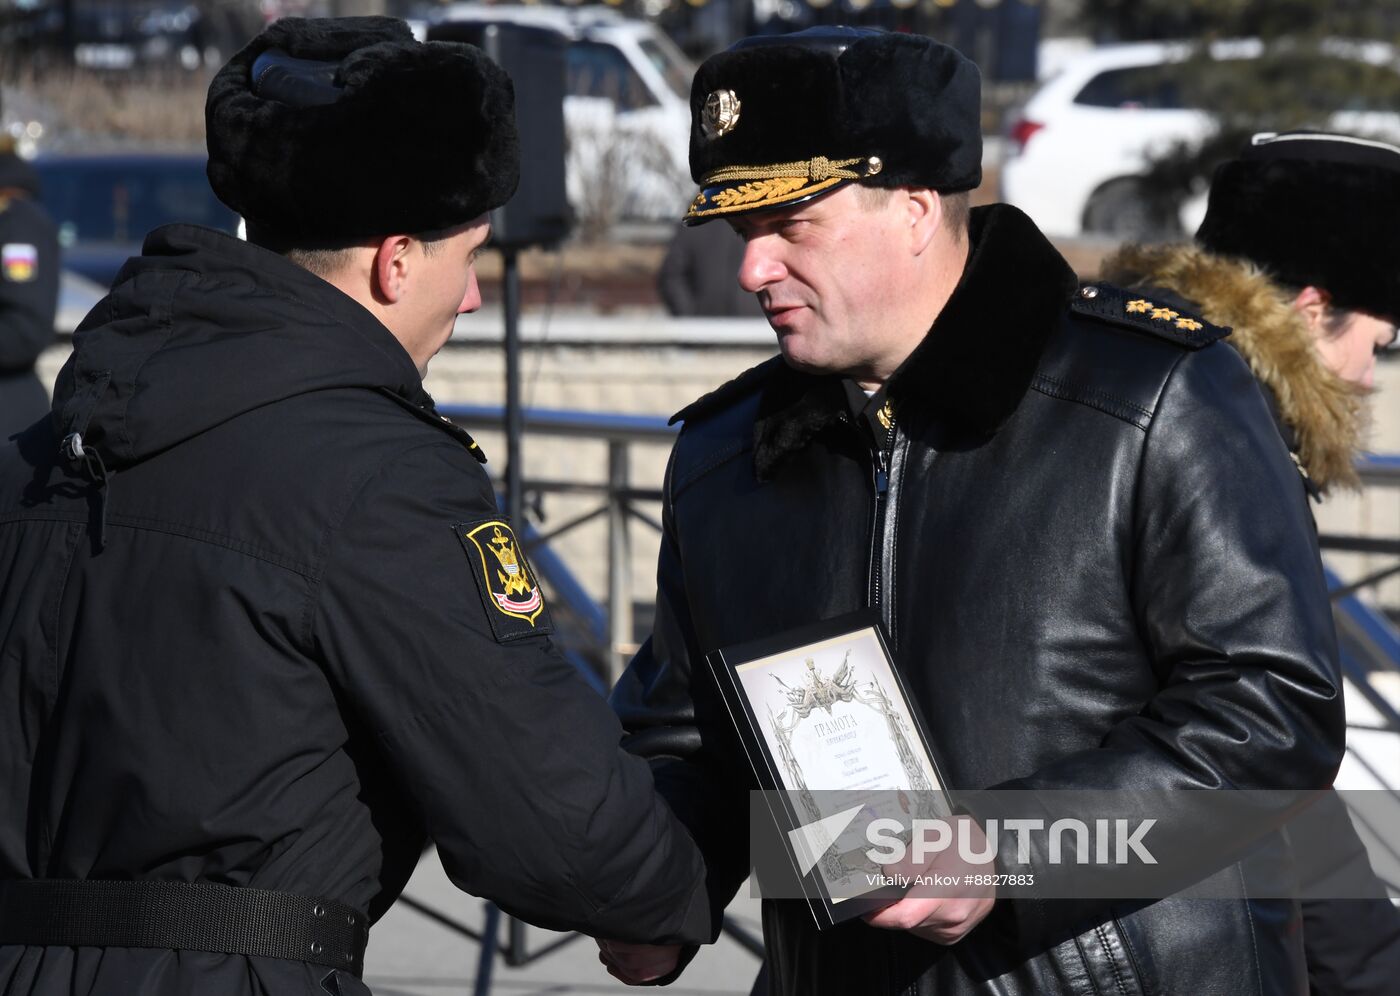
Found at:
[514, 761]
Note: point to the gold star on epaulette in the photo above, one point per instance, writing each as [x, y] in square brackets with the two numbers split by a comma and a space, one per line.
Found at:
[1189, 324]
[1138, 306]
[1164, 314]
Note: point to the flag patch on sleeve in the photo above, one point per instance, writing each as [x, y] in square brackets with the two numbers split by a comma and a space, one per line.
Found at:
[19, 261]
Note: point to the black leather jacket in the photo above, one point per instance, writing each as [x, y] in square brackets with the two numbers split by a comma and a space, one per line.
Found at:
[1096, 569]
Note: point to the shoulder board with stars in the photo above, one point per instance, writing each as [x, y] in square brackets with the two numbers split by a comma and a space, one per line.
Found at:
[1131, 310]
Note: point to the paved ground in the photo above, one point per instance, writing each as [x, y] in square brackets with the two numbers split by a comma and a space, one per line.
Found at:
[412, 955]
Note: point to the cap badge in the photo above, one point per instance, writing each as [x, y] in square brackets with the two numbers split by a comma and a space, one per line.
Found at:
[720, 114]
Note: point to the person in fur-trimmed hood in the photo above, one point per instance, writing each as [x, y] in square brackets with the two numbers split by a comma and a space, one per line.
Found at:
[1297, 256]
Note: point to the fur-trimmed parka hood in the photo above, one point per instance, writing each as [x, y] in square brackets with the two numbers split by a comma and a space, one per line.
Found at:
[1324, 414]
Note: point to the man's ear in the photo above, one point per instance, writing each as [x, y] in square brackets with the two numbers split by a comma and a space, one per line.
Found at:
[925, 215]
[391, 265]
[1311, 302]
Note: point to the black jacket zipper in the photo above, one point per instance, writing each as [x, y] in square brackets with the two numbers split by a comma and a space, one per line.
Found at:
[880, 479]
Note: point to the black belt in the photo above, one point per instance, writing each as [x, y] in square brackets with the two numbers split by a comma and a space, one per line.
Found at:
[180, 915]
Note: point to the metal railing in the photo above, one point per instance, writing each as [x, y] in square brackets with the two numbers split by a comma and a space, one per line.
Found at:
[1369, 642]
[612, 629]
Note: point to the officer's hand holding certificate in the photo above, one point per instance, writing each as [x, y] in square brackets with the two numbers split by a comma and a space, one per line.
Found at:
[846, 770]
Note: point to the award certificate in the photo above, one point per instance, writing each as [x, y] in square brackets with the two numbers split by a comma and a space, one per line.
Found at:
[829, 730]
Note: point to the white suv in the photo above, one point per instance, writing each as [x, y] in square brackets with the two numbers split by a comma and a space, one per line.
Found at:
[1084, 140]
[626, 108]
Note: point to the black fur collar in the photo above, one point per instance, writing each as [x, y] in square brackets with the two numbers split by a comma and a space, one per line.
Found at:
[976, 361]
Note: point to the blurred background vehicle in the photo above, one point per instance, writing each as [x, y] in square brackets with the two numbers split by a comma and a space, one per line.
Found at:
[1086, 154]
[126, 34]
[626, 106]
[105, 203]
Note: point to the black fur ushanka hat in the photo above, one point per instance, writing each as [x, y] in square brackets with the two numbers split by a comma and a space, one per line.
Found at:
[322, 130]
[1314, 209]
[779, 119]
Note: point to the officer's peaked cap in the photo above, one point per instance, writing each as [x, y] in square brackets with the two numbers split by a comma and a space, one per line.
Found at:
[1313, 209]
[329, 129]
[779, 119]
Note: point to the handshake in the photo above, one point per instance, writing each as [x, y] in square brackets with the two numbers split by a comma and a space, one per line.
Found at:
[941, 919]
[638, 964]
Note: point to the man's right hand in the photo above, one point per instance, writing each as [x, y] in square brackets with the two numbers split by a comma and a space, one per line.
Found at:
[638, 964]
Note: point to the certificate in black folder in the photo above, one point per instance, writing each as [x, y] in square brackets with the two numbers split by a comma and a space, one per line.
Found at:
[835, 743]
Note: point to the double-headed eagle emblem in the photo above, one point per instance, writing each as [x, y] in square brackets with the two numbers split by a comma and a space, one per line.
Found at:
[819, 692]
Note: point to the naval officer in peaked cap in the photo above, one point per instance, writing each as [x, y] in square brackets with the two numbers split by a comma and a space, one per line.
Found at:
[1073, 514]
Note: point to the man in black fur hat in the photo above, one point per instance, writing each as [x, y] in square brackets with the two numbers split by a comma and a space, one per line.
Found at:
[1064, 504]
[265, 631]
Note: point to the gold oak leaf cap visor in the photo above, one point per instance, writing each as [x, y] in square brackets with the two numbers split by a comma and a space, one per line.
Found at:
[780, 119]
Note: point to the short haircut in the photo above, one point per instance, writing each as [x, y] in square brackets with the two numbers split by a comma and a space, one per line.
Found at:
[326, 260]
[325, 263]
[956, 207]
[1335, 320]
